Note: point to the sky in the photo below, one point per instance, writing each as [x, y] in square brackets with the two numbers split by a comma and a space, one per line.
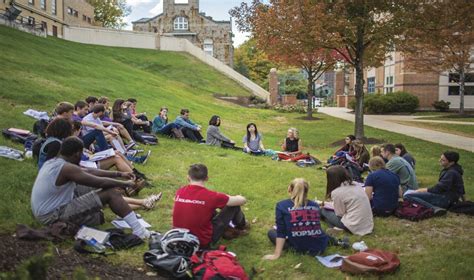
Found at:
[217, 9]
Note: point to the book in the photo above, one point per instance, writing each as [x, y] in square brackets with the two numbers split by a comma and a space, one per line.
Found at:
[120, 223]
[102, 155]
[88, 234]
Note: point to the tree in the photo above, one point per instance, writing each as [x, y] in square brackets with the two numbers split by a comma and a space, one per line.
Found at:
[252, 62]
[111, 12]
[363, 32]
[286, 31]
[440, 39]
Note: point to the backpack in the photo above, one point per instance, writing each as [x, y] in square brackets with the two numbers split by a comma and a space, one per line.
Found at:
[464, 207]
[36, 148]
[371, 260]
[413, 211]
[217, 264]
[147, 138]
[19, 135]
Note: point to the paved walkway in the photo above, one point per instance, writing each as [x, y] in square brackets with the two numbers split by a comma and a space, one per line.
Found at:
[387, 122]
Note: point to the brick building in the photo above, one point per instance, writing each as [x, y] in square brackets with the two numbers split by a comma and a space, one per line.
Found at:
[182, 19]
[393, 76]
[53, 15]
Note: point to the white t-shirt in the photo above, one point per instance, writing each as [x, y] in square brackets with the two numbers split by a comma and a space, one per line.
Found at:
[352, 204]
[90, 118]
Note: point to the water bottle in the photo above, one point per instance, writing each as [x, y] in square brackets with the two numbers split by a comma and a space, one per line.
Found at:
[28, 154]
[96, 245]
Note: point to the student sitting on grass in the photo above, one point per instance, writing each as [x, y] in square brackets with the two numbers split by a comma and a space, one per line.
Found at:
[56, 131]
[382, 187]
[400, 150]
[140, 121]
[195, 209]
[401, 167]
[64, 110]
[118, 127]
[298, 224]
[190, 130]
[340, 153]
[215, 137]
[448, 190]
[352, 210]
[91, 101]
[96, 133]
[292, 147]
[253, 141]
[63, 191]
[161, 125]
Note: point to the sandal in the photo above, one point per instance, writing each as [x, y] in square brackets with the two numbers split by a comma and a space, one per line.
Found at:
[139, 185]
[151, 200]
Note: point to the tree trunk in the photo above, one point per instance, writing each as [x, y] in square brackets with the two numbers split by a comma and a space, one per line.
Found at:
[309, 93]
[462, 81]
[359, 85]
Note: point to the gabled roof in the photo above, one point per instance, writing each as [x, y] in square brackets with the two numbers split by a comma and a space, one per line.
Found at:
[144, 20]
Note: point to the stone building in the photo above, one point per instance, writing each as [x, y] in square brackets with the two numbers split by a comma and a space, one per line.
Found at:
[393, 76]
[52, 15]
[48, 13]
[182, 19]
[79, 13]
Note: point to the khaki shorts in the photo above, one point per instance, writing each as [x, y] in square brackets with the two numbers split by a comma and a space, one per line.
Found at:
[84, 209]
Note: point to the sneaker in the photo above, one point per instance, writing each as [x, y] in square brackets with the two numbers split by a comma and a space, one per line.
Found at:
[130, 145]
[344, 242]
[334, 231]
[131, 153]
[439, 212]
[132, 191]
[151, 200]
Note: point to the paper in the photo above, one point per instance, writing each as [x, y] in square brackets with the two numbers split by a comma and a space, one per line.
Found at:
[102, 155]
[87, 233]
[408, 192]
[88, 164]
[329, 205]
[120, 223]
[331, 261]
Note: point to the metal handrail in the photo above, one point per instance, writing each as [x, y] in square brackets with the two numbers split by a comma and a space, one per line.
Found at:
[22, 20]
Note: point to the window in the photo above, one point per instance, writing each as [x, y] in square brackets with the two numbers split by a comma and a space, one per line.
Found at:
[454, 90]
[468, 78]
[45, 25]
[31, 2]
[180, 23]
[31, 20]
[208, 46]
[53, 7]
[84, 18]
[371, 85]
[70, 11]
[43, 4]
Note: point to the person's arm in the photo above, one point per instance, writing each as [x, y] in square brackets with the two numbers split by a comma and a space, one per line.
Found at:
[280, 243]
[422, 190]
[181, 122]
[261, 145]
[98, 127]
[110, 174]
[300, 148]
[444, 184]
[214, 132]
[236, 200]
[115, 124]
[339, 206]
[283, 146]
[369, 190]
[71, 172]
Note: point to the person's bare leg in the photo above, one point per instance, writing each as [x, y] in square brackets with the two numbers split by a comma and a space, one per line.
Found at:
[124, 132]
[125, 160]
[118, 161]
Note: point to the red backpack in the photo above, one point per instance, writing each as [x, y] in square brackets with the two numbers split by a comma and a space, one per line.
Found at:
[413, 211]
[370, 261]
[217, 264]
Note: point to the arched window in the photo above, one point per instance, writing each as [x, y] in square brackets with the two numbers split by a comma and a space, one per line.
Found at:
[208, 46]
[180, 23]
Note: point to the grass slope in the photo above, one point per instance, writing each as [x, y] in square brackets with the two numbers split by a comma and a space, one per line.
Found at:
[38, 73]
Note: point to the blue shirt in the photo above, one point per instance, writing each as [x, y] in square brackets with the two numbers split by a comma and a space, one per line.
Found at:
[385, 185]
[301, 227]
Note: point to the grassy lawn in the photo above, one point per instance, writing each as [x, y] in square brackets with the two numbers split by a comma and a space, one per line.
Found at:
[451, 117]
[38, 73]
[458, 129]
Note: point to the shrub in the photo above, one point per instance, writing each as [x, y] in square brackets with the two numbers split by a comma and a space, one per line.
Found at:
[396, 102]
[442, 106]
[298, 108]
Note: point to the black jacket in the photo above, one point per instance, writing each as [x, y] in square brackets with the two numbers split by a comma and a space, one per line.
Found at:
[450, 183]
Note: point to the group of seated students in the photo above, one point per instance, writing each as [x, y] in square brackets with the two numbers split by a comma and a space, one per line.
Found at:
[68, 192]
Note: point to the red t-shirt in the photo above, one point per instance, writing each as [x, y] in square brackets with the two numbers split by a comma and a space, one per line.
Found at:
[194, 207]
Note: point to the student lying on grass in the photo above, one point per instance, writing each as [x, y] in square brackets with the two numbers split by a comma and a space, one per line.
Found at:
[63, 191]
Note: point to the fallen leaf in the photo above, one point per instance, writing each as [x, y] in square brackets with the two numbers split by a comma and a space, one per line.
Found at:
[254, 220]
[298, 266]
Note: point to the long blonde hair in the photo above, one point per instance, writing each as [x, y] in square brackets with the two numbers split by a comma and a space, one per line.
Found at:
[295, 132]
[299, 192]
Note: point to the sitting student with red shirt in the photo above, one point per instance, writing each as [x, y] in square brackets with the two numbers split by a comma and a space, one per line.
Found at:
[195, 209]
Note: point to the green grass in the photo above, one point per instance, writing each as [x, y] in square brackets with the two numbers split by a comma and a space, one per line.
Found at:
[38, 73]
[451, 117]
[466, 130]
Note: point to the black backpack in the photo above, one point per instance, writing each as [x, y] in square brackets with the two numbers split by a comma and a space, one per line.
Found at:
[39, 128]
[36, 148]
[19, 137]
[464, 207]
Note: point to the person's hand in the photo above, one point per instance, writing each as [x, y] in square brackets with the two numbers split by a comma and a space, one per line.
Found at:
[270, 257]
[199, 128]
[111, 132]
[128, 175]
[119, 125]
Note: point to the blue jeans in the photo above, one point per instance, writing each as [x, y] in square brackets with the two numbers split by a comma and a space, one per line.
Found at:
[430, 200]
[167, 129]
[95, 135]
[332, 219]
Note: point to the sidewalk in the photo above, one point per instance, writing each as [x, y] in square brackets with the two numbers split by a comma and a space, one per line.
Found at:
[386, 122]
